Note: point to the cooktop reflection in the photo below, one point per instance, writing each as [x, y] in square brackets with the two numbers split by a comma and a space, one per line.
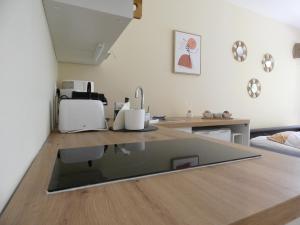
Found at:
[80, 167]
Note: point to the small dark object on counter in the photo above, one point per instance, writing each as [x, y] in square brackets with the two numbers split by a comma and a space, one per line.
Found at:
[147, 129]
[226, 115]
[91, 95]
[159, 117]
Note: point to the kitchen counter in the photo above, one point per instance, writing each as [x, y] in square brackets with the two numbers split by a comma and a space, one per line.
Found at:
[244, 192]
[179, 122]
[238, 127]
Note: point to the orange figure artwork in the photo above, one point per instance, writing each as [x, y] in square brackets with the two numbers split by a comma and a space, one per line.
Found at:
[187, 53]
[185, 60]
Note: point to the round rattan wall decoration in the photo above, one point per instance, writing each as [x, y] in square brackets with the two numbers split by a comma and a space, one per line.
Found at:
[254, 88]
[239, 50]
[268, 62]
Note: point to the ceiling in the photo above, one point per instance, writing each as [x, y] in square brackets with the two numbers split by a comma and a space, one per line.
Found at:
[287, 11]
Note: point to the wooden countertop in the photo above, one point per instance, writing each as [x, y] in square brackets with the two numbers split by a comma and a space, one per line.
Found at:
[179, 122]
[236, 193]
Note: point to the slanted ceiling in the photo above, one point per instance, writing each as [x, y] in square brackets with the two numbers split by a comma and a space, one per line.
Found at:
[286, 11]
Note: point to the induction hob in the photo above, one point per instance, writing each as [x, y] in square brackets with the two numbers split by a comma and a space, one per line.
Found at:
[89, 166]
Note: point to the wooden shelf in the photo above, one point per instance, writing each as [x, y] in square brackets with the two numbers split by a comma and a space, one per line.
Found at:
[178, 122]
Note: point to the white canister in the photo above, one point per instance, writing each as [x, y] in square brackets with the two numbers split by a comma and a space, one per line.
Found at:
[135, 119]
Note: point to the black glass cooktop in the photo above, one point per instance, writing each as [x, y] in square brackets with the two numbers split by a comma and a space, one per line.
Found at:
[80, 167]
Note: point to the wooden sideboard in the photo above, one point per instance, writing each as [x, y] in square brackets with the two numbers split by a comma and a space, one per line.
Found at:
[194, 124]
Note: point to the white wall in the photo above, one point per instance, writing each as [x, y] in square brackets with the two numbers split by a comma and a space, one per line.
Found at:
[28, 71]
[143, 56]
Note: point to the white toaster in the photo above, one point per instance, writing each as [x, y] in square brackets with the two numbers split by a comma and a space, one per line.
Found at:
[77, 115]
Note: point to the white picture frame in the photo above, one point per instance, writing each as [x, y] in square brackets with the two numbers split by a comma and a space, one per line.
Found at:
[187, 53]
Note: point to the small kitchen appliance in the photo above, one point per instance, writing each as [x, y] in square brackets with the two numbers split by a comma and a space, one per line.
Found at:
[68, 86]
[82, 110]
[77, 115]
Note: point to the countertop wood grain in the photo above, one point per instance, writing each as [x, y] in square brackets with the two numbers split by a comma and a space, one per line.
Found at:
[216, 195]
[179, 122]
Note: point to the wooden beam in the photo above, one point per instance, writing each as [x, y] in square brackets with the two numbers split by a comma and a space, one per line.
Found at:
[139, 9]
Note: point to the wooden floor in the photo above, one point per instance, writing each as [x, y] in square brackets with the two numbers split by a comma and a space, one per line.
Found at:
[219, 195]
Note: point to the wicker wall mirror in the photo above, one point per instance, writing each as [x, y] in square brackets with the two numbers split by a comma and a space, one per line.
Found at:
[239, 51]
[268, 62]
[254, 88]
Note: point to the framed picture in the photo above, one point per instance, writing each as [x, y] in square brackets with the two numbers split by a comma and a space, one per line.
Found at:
[185, 162]
[187, 53]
